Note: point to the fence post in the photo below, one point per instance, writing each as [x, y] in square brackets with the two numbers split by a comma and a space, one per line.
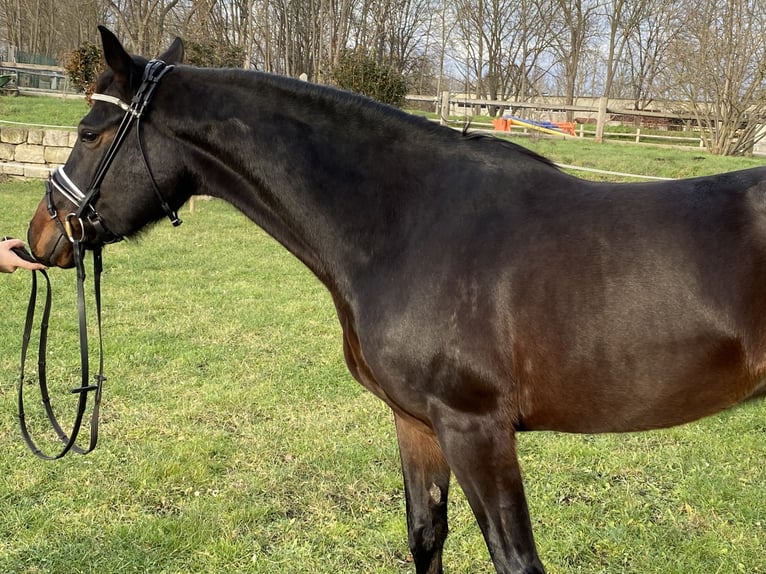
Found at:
[444, 112]
[601, 120]
[638, 135]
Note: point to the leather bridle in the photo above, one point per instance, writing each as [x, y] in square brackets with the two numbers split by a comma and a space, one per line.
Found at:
[154, 71]
[60, 182]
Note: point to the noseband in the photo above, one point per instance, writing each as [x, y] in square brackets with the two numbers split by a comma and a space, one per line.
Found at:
[59, 181]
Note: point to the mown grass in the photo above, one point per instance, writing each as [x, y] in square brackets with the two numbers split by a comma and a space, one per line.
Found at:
[233, 439]
[639, 159]
[44, 110]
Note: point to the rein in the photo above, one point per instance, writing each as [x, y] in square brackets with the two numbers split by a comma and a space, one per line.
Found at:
[69, 441]
[59, 181]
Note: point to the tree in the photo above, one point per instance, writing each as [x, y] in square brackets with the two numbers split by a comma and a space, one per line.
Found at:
[47, 27]
[709, 53]
[505, 42]
[623, 18]
[572, 29]
[30, 25]
[404, 34]
[484, 32]
[444, 26]
[719, 67]
[142, 22]
[528, 48]
[647, 53]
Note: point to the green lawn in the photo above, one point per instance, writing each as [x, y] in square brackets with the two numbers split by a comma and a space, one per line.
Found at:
[635, 159]
[45, 110]
[233, 439]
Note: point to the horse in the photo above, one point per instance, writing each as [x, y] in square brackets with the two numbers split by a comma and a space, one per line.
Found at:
[481, 291]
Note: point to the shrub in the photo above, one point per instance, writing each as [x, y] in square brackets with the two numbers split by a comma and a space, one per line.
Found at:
[83, 66]
[359, 72]
[211, 54]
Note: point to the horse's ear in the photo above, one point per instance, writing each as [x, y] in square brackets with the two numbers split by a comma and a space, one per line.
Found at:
[174, 54]
[117, 59]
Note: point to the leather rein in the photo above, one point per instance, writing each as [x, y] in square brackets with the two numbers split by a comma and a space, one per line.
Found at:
[59, 182]
[67, 440]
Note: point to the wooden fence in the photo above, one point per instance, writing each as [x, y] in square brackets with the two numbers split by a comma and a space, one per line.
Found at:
[599, 115]
[38, 79]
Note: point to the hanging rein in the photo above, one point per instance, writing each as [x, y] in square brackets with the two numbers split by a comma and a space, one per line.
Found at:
[85, 214]
[84, 388]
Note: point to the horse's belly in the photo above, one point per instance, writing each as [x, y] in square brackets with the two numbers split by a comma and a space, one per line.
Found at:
[654, 391]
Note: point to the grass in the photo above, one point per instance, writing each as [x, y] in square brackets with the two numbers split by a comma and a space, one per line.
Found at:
[44, 110]
[636, 159]
[233, 439]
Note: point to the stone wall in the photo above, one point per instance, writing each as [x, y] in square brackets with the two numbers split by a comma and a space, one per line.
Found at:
[33, 152]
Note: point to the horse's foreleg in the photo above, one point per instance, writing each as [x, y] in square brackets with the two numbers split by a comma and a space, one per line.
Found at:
[426, 484]
[483, 458]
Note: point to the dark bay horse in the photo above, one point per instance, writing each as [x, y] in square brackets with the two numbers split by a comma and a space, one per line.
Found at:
[481, 291]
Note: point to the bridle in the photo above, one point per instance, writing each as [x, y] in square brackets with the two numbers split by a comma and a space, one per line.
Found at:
[154, 71]
[60, 182]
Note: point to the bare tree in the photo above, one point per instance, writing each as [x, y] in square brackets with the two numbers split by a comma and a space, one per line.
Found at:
[647, 52]
[142, 22]
[484, 32]
[528, 45]
[29, 25]
[47, 27]
[443, 12]
[336, 16]
[504, 43]
[709, 53]
[369, 22]
[720, 69]
[405, 35]
[623, 18]
[573, 27]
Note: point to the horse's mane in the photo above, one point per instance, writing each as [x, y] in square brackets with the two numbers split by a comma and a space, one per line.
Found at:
[381, 113]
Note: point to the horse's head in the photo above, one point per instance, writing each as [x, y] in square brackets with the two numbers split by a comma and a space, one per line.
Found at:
[121, 173]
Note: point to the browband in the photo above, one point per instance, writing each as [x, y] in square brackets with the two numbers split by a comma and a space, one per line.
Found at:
[111, 100]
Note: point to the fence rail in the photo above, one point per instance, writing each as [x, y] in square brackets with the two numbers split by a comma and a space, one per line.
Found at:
[600, 115]
[38, 78]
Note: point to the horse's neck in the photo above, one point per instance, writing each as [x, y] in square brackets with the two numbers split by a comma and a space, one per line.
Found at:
[319, 178]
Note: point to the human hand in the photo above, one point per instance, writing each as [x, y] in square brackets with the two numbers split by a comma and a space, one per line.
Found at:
[10, 261]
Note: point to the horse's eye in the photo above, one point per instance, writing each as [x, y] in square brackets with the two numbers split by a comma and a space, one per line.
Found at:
[88, 136]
